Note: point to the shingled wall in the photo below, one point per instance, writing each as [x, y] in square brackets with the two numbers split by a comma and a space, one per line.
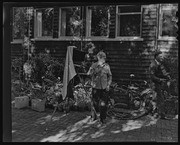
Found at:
[124, 57]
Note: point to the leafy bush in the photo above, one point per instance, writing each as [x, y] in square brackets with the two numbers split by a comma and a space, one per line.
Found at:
[16, 65]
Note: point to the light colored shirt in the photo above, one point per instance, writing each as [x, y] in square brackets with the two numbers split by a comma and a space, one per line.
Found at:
[101, 75]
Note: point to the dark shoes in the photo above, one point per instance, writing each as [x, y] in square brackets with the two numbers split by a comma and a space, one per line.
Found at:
[103, 121]
[162, 116]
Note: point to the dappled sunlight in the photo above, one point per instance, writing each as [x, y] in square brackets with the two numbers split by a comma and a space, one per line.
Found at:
[80, 124]
[132, 124]
[84, 128]
[72, 133]
[43, 120]
[98, 134]
[136, 124]
[113, 121]
[115, 131]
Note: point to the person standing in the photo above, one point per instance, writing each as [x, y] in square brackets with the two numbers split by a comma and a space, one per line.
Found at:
[101, 78]
[159, 76]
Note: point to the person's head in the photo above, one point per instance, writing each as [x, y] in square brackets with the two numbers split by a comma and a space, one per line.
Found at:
[158, 56]
[90, 47]
[101, 56]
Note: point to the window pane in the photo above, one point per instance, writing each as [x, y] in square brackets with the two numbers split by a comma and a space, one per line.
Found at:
[99, 21]
[129, 25]
[169, 26]
[21, 18]
[129, 9]
[71, 21]
[47, 22]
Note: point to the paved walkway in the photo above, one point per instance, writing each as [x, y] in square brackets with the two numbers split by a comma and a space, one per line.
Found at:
[29, 126]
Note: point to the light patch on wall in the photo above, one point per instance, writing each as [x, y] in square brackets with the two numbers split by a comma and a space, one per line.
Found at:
[13, 131]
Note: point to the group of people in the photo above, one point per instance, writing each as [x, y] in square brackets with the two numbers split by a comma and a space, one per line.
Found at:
[101, 77]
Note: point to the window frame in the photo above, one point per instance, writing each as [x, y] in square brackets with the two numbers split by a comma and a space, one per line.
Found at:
[88, 24]
[37, 31]
[160, 23]
[131, 13]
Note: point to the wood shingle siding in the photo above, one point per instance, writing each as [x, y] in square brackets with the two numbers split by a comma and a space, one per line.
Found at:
[123, 64]
[124, 57]
[16, 51]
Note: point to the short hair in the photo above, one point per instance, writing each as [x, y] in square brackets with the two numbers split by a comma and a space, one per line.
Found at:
[101, 54]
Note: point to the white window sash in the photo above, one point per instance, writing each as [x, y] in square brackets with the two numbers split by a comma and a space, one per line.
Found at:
[39, 24]
[88, 21]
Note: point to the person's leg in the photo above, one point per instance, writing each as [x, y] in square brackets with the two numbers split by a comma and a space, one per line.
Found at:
[95, 102]
[160, 101]
[103, 105]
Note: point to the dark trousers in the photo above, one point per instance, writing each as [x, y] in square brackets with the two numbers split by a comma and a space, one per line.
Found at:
[100, 101]
[160, 99]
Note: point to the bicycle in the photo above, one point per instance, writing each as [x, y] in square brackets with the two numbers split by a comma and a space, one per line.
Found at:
[140, 102]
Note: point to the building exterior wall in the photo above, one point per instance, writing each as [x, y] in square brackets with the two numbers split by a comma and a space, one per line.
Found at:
[125, 57]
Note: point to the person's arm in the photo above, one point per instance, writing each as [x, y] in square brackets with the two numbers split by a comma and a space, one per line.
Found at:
[152, 74]
[91, 70]
[165, 73]
[109, 77]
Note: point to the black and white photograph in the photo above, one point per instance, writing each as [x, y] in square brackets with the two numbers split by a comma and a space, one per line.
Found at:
[92, 72]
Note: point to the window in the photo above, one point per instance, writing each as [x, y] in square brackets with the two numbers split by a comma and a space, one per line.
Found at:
[168, 20]
[97, 23]
[128, 21]
[70, 21]
[44, 22]
[21, 21]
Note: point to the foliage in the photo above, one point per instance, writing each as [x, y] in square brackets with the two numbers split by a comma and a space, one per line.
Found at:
[18, 88]
[21, 21]
[100, 20]
[82, 97]
[75, 24]
[47, 19]
[16, 65]
[53, 94]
